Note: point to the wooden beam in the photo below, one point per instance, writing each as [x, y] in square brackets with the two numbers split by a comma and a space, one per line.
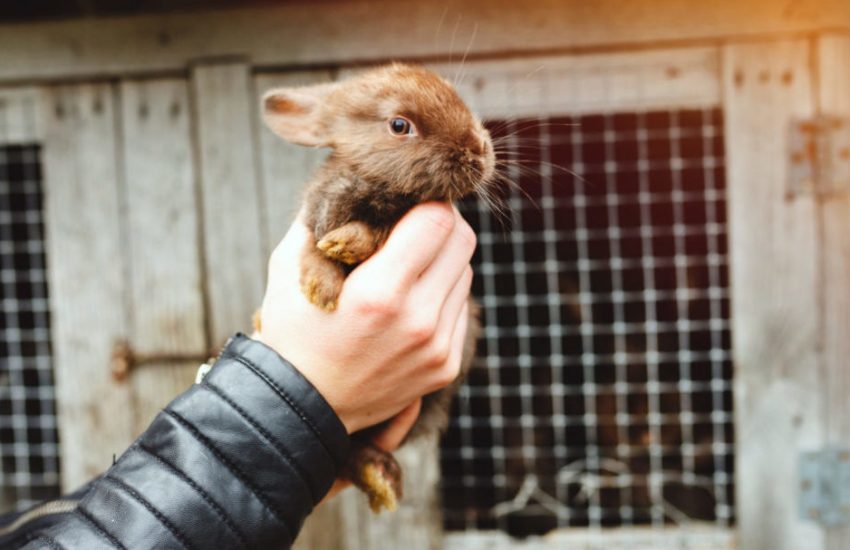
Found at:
[834, 95]
[675, 78]
[773, 247]
[333, 32]
[683, 537]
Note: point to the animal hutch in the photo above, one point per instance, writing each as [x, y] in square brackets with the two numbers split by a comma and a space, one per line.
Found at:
[666, 297]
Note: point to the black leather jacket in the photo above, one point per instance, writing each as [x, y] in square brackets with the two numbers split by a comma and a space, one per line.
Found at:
[237, 461]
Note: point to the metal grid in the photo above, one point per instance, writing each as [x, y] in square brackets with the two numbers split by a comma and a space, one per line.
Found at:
[602, 393]
[28, 437]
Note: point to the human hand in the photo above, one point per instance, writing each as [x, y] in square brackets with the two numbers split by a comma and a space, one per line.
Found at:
[398, 330]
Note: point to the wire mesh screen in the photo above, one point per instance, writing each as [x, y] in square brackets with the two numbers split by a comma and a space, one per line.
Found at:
[28, 435]
[602, 393]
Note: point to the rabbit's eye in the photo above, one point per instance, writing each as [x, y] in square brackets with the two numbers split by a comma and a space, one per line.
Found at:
[401, 126]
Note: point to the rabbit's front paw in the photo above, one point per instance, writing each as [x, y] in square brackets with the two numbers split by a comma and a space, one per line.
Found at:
[321, 292]
[321, 280]
[376, 473]
[350, 244]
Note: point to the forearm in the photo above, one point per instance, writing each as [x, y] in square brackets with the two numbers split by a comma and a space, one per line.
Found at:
[236, 461]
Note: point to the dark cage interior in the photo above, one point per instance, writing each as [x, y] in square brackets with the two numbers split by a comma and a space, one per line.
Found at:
[602, 391]
[28, 437]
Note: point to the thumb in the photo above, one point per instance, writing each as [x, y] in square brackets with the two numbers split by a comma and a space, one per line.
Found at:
[392, 436]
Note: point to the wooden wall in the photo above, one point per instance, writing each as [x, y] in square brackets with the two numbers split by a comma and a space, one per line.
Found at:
[790, 280]
[310, 34]
[153, 149]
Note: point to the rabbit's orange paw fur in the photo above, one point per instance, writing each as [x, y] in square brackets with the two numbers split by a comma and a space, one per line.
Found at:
[321, 293]
[338, 250]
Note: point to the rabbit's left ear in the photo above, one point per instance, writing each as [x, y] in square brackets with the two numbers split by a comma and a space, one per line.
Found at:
[295, 114]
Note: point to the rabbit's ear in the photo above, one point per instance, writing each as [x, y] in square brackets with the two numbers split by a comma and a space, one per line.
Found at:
[295, 114]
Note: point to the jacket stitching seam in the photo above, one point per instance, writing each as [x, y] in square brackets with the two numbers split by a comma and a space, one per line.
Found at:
[220, 512]
[99, 529]
[237, 473]
[271, 439]
[283, 395]
[121, 484]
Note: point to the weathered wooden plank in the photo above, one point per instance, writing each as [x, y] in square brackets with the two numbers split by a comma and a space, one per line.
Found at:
[20, 115]
[697, 537]
[292, 34]
[834, 72]
[233, 220]
[773, 254]
[284, 167]
[591, 83]
[86, 276]
[165, 288]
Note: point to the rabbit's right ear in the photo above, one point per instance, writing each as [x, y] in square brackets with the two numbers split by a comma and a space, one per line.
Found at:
[295, 114]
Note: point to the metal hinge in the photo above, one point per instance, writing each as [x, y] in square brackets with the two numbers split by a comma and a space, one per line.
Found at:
[825, 486]
[819, 156]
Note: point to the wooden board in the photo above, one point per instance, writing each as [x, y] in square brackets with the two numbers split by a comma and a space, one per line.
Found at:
[164, 271]
[696, 537]
[834, 96]
[86, 276]
[773, 254]
[593, 83]
[20, 115]
[285, 167]
[233, 220]
[309, 33]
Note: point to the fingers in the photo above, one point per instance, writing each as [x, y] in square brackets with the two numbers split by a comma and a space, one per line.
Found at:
[455, 360]
[391, 437]
[452, 308]
[412, 246]
[449, 265]
[448, 370]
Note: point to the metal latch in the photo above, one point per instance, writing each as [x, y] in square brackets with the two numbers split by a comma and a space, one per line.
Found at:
[125, 359]
[819, 156]
[825, 486]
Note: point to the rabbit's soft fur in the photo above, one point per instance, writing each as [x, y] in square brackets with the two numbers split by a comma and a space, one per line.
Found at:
[371, 178]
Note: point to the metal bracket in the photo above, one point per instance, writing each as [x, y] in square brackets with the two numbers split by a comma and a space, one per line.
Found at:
[819, 156]
[825, 486]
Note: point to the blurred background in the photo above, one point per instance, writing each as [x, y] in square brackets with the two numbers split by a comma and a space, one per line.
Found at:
[666, 295]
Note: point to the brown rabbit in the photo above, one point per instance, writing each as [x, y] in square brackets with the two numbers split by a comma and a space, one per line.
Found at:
[399, 135]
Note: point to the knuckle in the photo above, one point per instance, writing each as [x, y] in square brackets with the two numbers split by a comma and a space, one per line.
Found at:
[467, 276]
[378, 305]
[440, 354]
[446, 375]
[420, 331]
[442, 215]
[469, 236]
